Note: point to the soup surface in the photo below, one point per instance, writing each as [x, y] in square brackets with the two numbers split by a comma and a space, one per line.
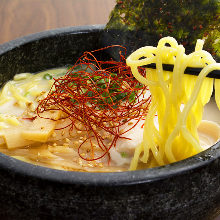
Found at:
[53, 143]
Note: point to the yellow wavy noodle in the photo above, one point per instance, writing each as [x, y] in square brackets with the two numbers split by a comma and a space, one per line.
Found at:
[177, 137]
[189, 83]
[217, 92]
[208, 87]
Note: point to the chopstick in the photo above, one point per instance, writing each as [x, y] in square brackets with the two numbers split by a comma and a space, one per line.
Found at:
[189, 70]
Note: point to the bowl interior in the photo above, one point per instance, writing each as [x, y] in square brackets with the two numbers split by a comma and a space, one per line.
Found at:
[57, 48]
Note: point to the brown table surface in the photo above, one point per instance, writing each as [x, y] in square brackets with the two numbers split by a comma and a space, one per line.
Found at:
[23, 17]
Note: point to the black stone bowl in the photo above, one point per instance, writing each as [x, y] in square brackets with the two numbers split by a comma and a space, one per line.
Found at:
[189, 189]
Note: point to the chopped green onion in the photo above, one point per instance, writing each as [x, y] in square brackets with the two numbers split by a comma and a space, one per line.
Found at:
[124, 154]
[47, 76]
[90, 94]
[26, 94]
[132, 97]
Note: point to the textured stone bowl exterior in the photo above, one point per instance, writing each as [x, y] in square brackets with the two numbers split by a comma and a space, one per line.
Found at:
[189, 189]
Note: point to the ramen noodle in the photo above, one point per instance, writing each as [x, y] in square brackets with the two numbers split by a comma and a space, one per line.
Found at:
[176, 137]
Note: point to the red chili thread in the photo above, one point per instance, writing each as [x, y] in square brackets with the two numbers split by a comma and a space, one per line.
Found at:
[31, 119]
[72, 95]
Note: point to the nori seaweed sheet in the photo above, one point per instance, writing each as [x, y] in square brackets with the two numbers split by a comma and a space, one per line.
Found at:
[136, 23]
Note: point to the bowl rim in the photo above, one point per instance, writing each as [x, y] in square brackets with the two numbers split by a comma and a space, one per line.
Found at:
[13, 165]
